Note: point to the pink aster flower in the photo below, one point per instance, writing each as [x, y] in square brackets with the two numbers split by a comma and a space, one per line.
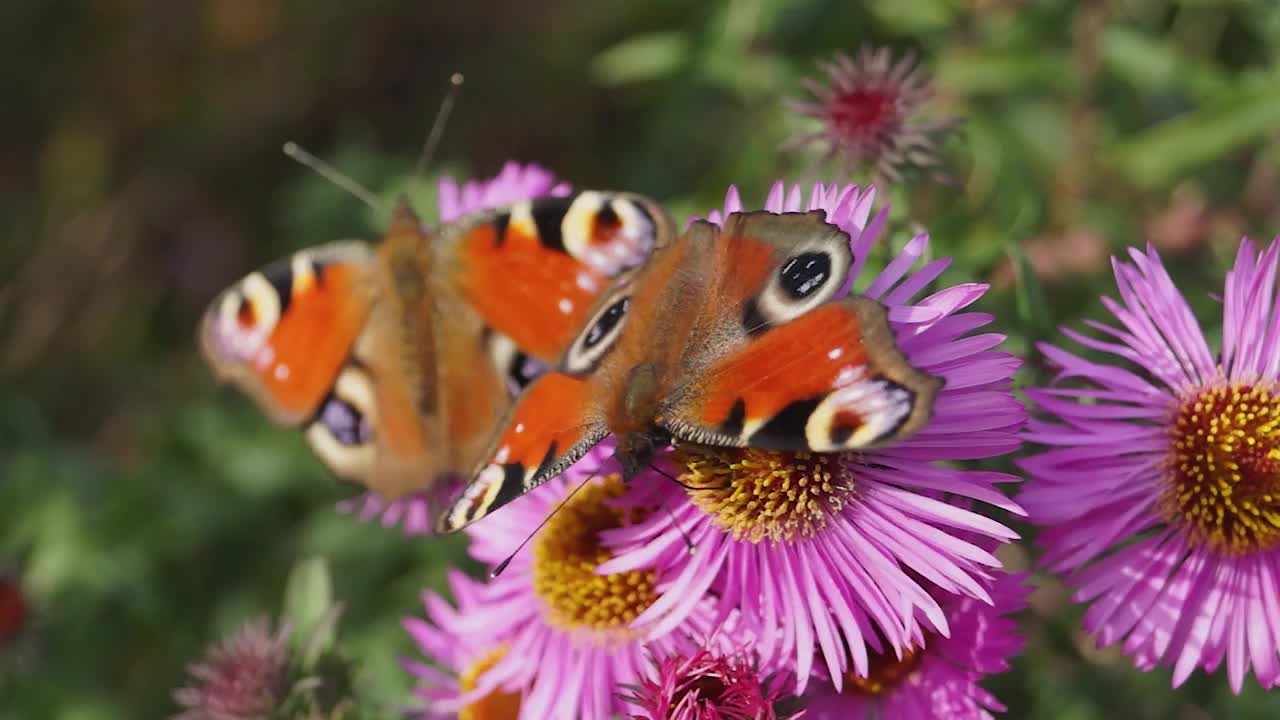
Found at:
[416, 514]
[869, 110]
[463, 685]
[939, 676]
[567, 633]
[830, 565]
[706, 686]
[1160, 487]
[247, 677]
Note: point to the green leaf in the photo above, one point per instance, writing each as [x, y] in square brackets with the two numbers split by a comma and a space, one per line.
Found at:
[640, 58]
[1162, 154]
[1154, 65]
[913, 17]
[308, 606]
[970, 72]
[1029, 297]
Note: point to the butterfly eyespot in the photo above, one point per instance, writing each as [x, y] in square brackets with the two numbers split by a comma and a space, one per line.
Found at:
[805, 274]
[809, 277]
[601, 333]
[343, 432]
[607, 232]
[605, 324]
[247, 315]
[346, 423]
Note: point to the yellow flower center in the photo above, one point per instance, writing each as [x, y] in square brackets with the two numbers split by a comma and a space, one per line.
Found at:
[566, 555]
[497, 705]
[763, 495]
[1226, 469]
[884, 673]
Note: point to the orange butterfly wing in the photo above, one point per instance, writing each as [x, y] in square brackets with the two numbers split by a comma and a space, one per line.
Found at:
[828, 380]
[794, 369]
[553, 423]
[283, 333]
[533, 271]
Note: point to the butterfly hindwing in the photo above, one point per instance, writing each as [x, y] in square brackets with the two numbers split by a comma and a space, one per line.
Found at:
[379, 426]
[829, 380]
[552, 424]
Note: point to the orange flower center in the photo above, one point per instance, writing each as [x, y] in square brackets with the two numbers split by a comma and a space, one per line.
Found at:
[497, 705]
[763, 495]
[566, 555]
[1225, 489]
[885, 672]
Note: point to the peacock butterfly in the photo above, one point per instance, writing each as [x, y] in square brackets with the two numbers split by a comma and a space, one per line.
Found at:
[728, 337]
[398, 360]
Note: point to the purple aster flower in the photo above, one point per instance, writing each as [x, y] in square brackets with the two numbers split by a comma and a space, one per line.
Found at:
[569, 632]
[415, 514]
[464, 687]
[827, 554]
[704, 685]
[247, 677]
[514, 183]
[1160, 487]
[938, 677]
[869, 109]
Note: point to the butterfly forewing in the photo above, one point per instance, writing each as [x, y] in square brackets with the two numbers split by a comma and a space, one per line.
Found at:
[533, 271]
[282, 333]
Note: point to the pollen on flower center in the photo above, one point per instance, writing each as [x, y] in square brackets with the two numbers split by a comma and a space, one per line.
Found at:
[566, 555]
[885, 673]
[1226, 468]
[497, 705]
[759, 494]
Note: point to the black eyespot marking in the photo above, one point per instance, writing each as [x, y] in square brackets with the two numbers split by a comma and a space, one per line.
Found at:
[753, 321]
[548, 214]
[607, 217]
[608, 320]
[784, 429]
[804, 274]
[523, 370]
[347, 424]
[246, 312]
[512, 484]
[500, 224]
[280, 275]
[733, 424]
[317, 271]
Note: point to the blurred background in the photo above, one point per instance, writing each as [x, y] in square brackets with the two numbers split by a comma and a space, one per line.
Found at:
[145, 513]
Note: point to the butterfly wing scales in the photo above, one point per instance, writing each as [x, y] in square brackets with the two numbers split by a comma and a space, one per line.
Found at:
[533, 271]
[282, 333]
[552, 424]
[829, 380]
[793, 369]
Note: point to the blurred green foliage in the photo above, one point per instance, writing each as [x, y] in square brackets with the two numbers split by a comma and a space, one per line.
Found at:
[149, 513]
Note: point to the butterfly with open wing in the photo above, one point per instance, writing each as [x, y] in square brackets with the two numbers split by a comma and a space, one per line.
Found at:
[730, 337]
[399, 360]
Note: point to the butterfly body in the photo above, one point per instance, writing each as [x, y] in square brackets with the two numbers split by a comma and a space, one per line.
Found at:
[733, 338]
[397, 360]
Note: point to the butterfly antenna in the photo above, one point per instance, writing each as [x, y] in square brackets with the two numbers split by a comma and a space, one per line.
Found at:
[333, 175]
[675, 479]
[437, 126]
[503, 565]
[688, 542]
